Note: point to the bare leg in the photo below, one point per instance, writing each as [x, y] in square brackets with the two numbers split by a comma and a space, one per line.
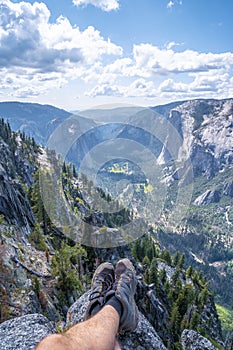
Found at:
[97, 333]
[117, 345]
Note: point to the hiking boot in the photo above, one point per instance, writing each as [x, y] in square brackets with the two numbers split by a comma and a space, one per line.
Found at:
[124, 289]
[101, 284]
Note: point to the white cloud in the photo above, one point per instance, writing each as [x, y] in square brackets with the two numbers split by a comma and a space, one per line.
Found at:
[151, 60]
[105, 5]
[169, 85]
[142, 88]
[185, 74]
[170, 4]
[138, 88]
[171, 44]
[43, 55]
[208, 84]
[37, 56]
[105, 90]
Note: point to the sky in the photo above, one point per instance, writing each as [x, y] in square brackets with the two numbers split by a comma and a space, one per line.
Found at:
[77, 54]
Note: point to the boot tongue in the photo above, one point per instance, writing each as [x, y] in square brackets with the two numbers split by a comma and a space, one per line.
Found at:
[109, 295]
[120, 269]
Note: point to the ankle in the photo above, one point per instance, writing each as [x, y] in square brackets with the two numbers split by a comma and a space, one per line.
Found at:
[116, 304]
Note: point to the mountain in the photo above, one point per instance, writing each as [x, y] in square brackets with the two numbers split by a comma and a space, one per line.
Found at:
[206, 128]
[43, 271]
[35, 120]
[204, 144]
[197, 136]
[110, 114]
[205, 233]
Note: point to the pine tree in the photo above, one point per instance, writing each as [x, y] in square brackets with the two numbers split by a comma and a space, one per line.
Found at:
[137, 250]
[163, 275]
[194, 322]
[204, 295]
[36, 238]
[146, 261]
[175, 259]
[189, 271]
[181, 261]
[175, 276]
[64, 170]
[166, 256]
[153, 272]
[74, 172]
[175, 321]
[63, 267]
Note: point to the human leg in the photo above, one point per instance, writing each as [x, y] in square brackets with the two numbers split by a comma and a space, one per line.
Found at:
[111, 307]
[98, 332]
[101, 323]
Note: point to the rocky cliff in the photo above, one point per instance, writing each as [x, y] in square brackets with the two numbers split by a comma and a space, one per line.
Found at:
[18, 160]
[206, 129]
[31, 284]
[25, 332]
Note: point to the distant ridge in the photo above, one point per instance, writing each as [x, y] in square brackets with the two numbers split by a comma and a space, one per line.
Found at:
[34, 119]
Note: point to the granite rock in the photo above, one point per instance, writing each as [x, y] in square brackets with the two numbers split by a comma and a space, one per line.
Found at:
[143, 338]
[25, 332]
[192, 340]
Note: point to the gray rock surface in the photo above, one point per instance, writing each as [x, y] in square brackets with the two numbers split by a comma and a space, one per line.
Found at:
[24, 333]
[192, 340]
[14, 204]
[207, 198]
[228, 189]
[143, 338]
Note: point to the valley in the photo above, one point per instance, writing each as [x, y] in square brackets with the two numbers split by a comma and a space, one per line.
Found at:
[164, 173]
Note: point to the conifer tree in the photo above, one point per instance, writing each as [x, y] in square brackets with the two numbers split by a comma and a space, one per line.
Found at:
[175, 321]
[63, 267]
[189, 271]
[181, 261]
[194, 322]
[163, 275]
[176, 258]
[153, 273]
[166, 256]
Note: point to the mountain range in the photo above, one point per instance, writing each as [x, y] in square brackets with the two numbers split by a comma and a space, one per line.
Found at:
[194, 152]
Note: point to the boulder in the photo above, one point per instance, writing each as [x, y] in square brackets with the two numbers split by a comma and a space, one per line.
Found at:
[192, 340]
[25, 332]
[143, 338]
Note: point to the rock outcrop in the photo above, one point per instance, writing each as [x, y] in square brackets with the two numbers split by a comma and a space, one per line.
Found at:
[144, 337]
[14, 204]
[207, 198]
[24, 333]
[228, 189]
[15, 169]
[192, 340]
[205, 126]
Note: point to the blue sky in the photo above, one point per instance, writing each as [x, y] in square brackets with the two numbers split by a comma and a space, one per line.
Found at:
[80, 53]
